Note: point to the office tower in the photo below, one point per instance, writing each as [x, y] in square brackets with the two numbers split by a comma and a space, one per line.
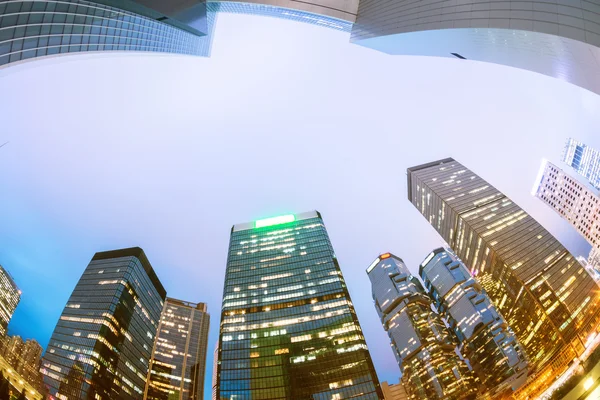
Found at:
[13, 349]
[484, 336]
[28, 364]
[101, 346]
[9, 298]
[584, 159]
[288, 327]
[394, 391]
[40, 28]
[179, 354]
[544, 294]
[214, 371]
[423, 346]
[571, 199]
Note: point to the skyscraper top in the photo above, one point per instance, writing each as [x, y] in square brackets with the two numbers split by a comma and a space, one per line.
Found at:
[199, 306]
[277, 220]
[138, 253]
[583, 159]
[423, 166]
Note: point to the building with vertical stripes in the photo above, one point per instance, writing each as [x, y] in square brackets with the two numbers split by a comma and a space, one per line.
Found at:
[542, 291]
[101, 346]
[178, 358]
[288, 326]
[10, 295]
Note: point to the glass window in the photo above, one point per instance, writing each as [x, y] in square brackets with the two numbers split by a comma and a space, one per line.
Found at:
[7, 34]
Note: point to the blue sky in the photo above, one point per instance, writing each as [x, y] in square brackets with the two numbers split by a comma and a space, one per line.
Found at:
[168, 152]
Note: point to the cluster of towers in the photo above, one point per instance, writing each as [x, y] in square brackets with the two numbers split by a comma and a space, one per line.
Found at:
[499, 313]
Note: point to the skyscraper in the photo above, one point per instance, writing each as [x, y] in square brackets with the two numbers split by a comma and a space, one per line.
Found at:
[484, 336]
[288, 326]
[179, 355]
[584, 159]
[101, 346]
[9, 299]
[544, 294]
[423, 346]
[28, 365]
[394, 391]
[40, 28]
[571, 199]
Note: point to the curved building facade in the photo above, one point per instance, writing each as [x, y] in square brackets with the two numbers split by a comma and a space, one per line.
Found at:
[31, 29]
[558, 38]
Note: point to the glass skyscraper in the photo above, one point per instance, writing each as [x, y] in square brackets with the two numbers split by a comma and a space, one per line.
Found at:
[179, 355]
[101, 346]
[584, 159]
[288, 326]
[9, 299]
[544, 294]
[484, 336]
[423, 346]
[40, 28]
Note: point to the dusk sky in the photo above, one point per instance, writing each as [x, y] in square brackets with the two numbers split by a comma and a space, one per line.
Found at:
[168, 152]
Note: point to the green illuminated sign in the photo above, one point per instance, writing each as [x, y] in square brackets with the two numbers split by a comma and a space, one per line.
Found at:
[282, 219]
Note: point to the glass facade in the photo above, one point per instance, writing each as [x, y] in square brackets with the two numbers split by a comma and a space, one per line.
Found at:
[101, 346]
[423, 346]
[235, 7]
[288, 326]
[584, 159]
[484, 336]
[179, 355]
[544, 294]
[31, 29]
[10, 295]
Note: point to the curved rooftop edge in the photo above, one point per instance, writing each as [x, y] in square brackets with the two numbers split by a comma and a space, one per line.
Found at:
[557, 38]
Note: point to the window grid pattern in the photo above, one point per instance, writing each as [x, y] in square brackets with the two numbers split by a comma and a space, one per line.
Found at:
[584, 159]
[288, 326]
[543, 292]
[10, 295]
[179, 355]
[101, 346]
[235, 7]
[485, 338]
[31, 29]
[423, 345]
[572, 200]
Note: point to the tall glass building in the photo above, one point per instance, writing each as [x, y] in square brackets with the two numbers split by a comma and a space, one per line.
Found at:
[288, 326]
[485, 338]
[10, 295]
[584, 159]
[39, 28]
[423, 346]
[542, 291]
[101, 346]
[179, 355]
